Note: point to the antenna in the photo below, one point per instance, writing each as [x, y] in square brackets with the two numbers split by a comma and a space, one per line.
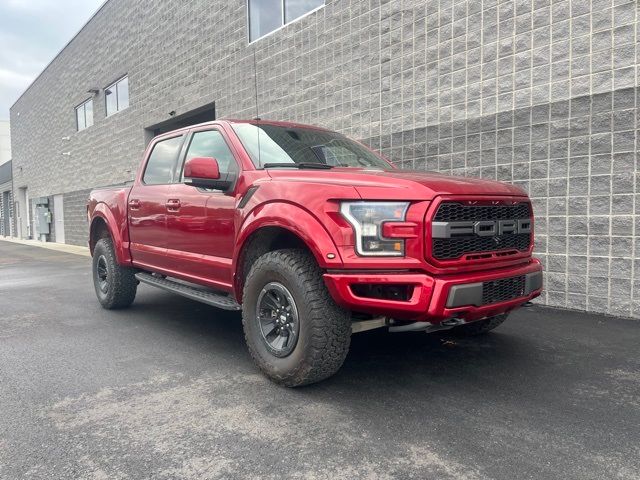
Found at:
[257, 119]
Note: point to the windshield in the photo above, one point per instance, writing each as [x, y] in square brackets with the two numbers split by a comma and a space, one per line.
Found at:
[273, 144]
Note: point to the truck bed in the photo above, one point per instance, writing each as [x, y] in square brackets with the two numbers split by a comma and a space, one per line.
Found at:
[112, 196]
[110, 203]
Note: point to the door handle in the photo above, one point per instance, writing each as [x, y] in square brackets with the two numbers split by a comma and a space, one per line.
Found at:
[173, 205]
[134, 204]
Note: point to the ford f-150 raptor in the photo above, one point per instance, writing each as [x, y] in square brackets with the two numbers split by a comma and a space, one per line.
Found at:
[312, 236]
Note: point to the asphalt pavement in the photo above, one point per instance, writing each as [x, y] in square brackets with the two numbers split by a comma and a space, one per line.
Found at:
[166, 389]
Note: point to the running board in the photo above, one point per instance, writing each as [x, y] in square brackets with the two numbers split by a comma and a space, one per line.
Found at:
[209, 297]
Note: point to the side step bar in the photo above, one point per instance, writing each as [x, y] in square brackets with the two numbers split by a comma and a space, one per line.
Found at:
[209, 297]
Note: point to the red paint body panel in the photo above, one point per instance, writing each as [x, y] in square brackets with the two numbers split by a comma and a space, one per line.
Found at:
[199, 235]
[201, 167]
[297, 220]
[429, 297]
[340, 284]
[147, 220]
[110, 206]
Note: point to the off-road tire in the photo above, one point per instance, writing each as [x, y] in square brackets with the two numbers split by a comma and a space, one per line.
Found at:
[122, 283]
[324, 327]
[480, 327]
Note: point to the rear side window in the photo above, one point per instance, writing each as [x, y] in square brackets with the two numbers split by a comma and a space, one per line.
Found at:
[159, 170]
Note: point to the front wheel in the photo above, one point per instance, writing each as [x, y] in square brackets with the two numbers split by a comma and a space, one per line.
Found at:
[480, 327]
[115, 285]
[295, 332]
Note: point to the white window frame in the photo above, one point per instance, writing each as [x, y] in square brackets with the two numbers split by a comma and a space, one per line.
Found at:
[83, 106]
[114, 89]
[283, 22]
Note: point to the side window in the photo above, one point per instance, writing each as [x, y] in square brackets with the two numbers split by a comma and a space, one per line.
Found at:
[211, 143]
[84, 115]
[159, 169]
[116, 96]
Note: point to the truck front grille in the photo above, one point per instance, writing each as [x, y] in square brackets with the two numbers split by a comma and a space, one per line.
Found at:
[457, 212]
[503, 290]
[456, 237]
[451, 248]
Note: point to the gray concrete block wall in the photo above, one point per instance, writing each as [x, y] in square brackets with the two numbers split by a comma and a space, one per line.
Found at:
[76, 226]
[543, 94]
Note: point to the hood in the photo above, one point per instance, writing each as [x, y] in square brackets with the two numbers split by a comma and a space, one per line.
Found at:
[399, 184]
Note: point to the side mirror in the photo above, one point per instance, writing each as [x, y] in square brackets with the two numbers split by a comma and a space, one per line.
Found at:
[203, 172]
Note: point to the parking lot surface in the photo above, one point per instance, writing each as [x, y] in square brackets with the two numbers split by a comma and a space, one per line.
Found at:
[166, 389]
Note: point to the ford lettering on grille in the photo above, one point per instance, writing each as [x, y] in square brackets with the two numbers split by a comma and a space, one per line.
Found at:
[484, 228]
[459, 229]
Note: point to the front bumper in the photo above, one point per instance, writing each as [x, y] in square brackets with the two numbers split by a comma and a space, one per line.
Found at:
[435, 299]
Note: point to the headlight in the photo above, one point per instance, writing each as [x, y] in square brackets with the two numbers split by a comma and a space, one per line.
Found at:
[367, 219]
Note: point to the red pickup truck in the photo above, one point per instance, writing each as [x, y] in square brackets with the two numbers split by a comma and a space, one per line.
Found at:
[313, 236]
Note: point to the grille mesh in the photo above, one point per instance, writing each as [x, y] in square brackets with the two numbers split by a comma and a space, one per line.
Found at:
[455, 247]
[448, 248]
[502, 290]
[456, 212]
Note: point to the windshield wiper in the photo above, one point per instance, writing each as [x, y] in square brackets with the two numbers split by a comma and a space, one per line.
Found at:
[302, 165]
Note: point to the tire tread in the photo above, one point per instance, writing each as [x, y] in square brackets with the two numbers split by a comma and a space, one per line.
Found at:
[330, 324]
[123, 286]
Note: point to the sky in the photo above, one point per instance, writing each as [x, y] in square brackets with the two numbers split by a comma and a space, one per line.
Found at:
[32, 32]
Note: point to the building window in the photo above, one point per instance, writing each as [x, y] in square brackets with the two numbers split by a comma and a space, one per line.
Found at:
[266, 16]
[116, 96]
[84, 115]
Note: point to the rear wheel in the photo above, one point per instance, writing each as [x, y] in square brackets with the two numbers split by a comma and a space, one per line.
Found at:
[480, 327]
[295, 332]
[115, 285]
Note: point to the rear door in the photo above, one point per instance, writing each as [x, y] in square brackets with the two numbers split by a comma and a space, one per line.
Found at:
[6, 225]
[200, 223]
[147, 206]
[58, 217]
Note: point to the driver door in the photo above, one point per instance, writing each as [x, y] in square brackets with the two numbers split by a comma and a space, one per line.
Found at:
[200, 223]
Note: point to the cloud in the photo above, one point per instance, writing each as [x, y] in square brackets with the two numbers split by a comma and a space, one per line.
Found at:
[11, 79]
[32, 32]
[27, 5]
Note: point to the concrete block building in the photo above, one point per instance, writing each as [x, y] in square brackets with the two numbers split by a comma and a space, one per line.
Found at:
[7, 227]
[542, 94]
